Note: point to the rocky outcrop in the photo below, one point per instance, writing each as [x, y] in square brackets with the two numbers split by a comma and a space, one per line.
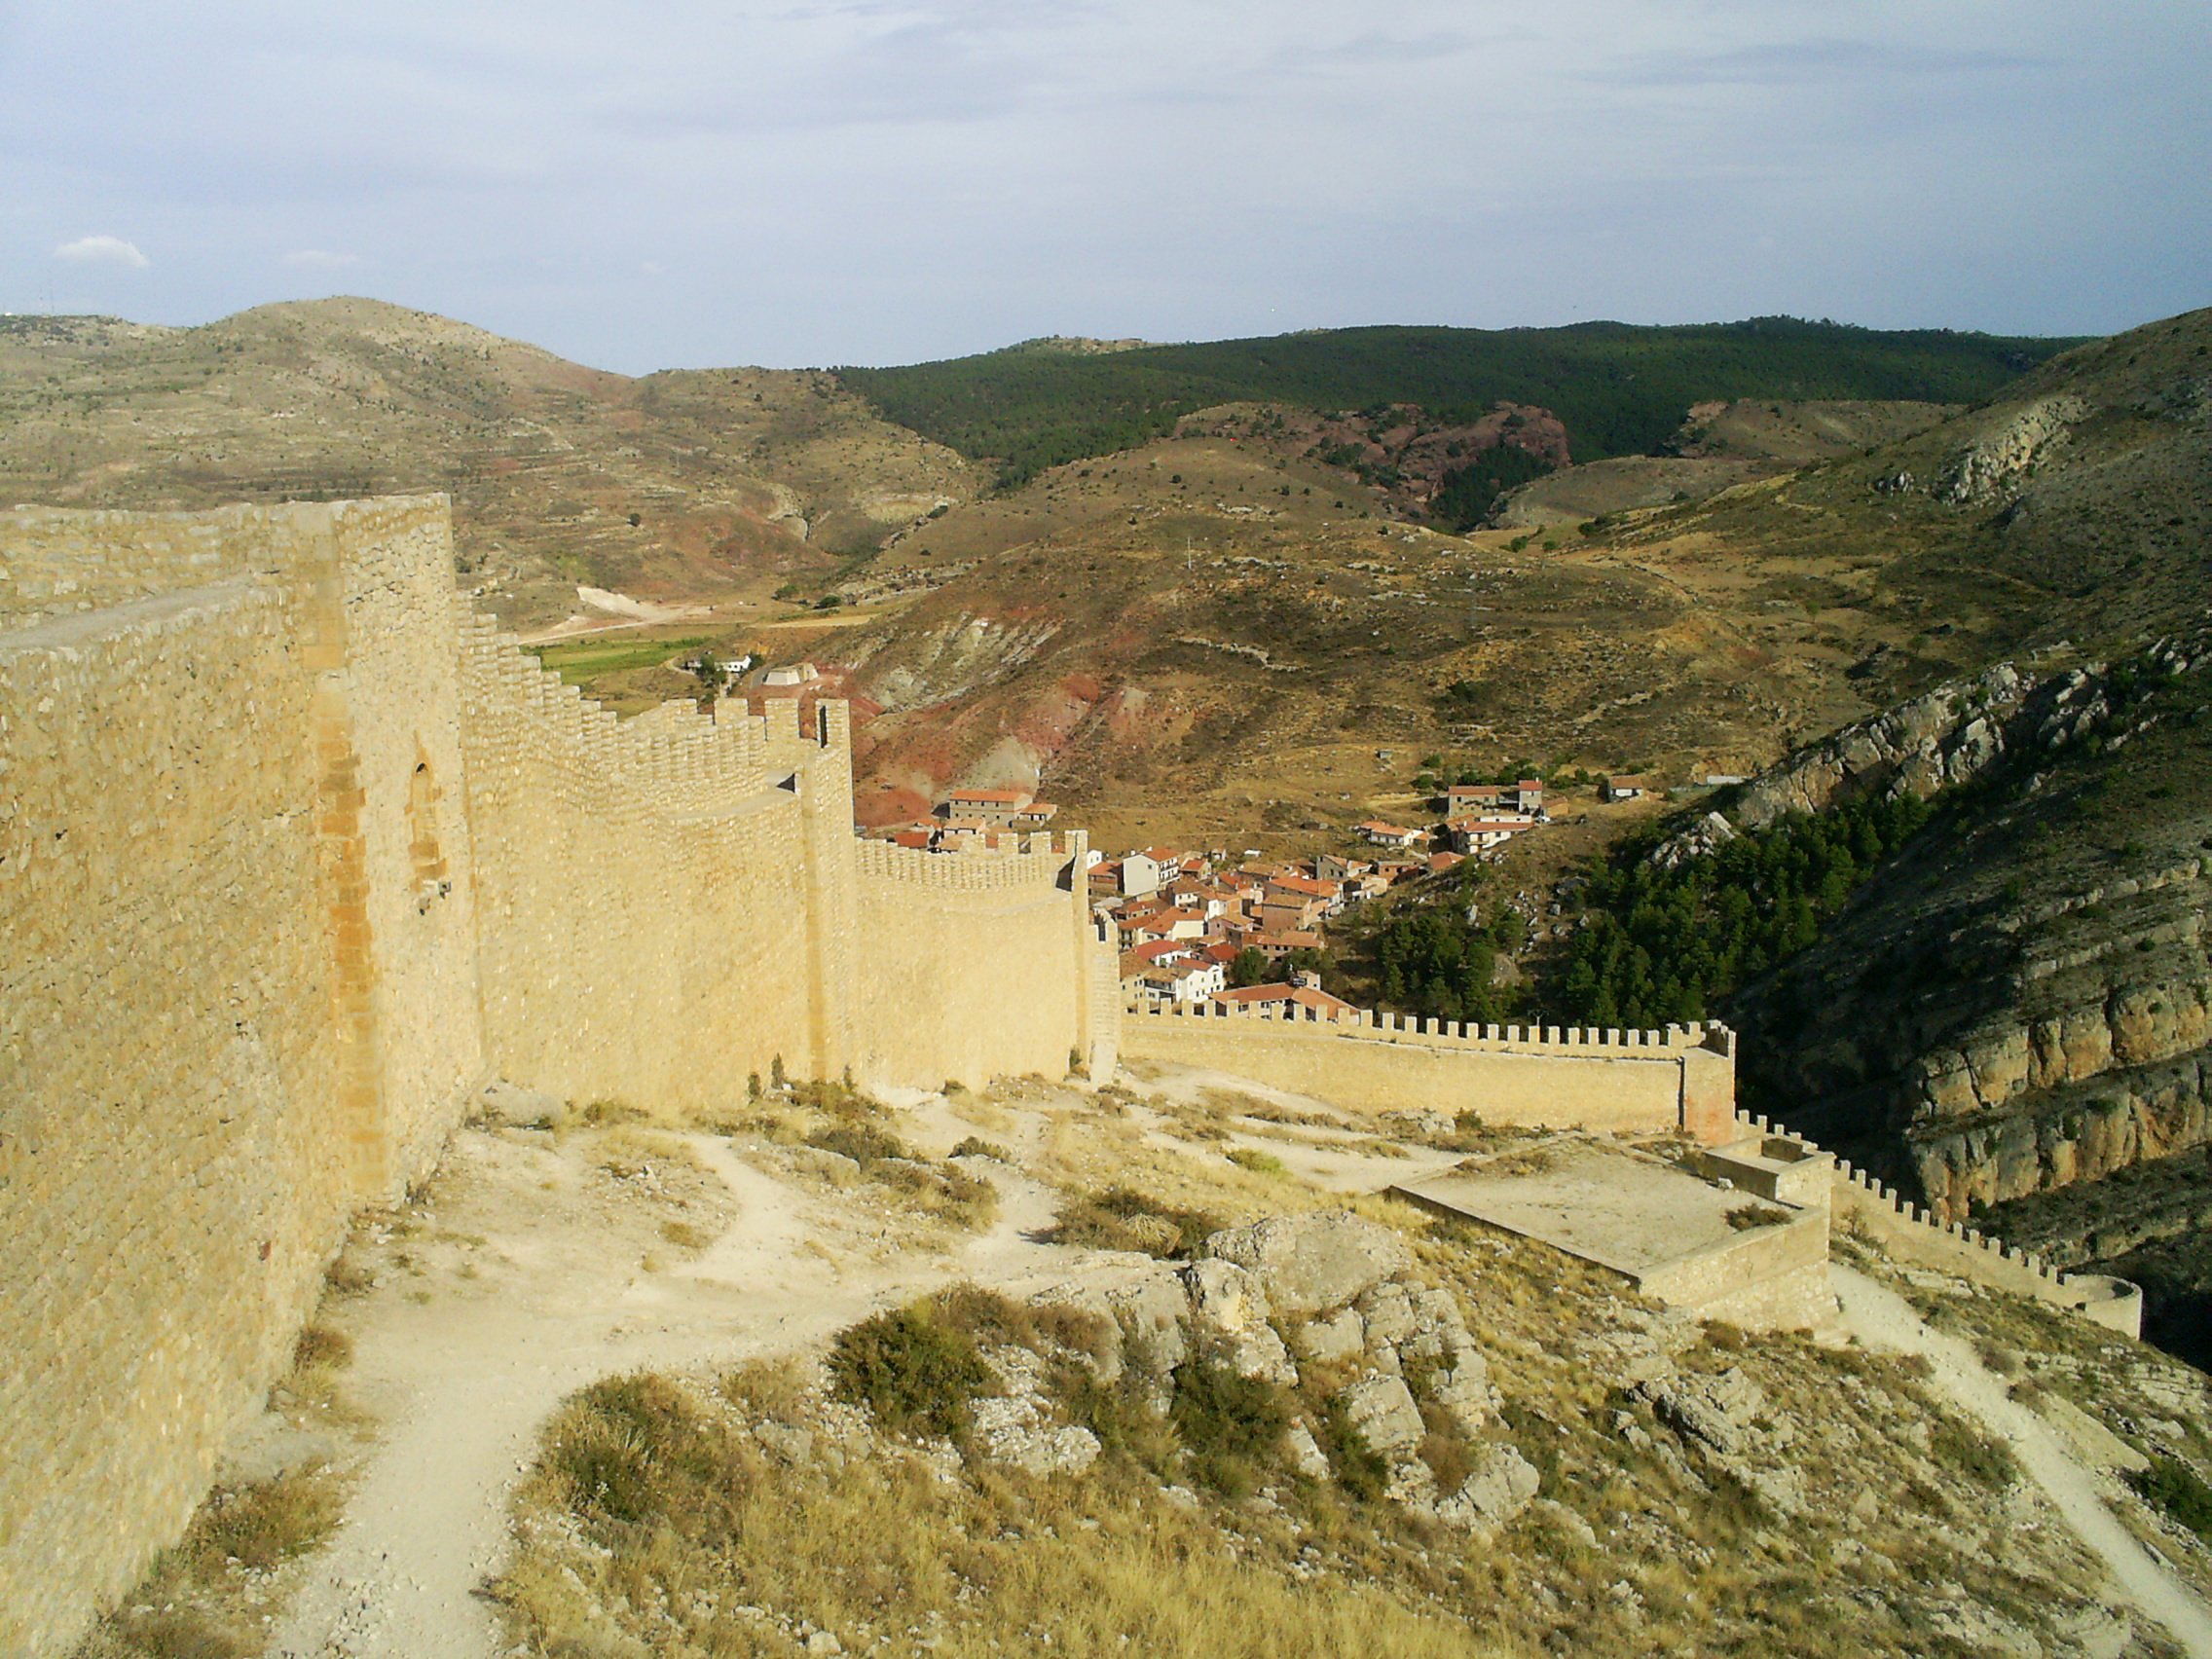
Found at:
[1945, 736]
[1313, 1263]
[1325, 1306]
[1994, 464]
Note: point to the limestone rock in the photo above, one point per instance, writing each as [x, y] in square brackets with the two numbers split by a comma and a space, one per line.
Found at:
[1225, 1296]
[1258, 1352]
[1312, 1264]
[1011, 1427]
[1501, 1486]
[1387, 1314]
[1066, 1450]
[1717, 1412]
[1306, 1452]
[1231, 1308]
[1411, 1484]
[1152, 1312]
[1339, 1336]
[2003, 456]
[1382, 1411]
[1780, 1486]
[2093, 1632]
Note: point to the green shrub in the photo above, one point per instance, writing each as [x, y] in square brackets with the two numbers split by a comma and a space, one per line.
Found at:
[1259, 1162]
[863, 1143]
[1231, 1425]
[911, 1368]
[1122, 1219]
[2176, 1491]
[1976, 1455]
[1360, 1471]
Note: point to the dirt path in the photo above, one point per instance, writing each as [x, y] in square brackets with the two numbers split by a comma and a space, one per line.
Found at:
[461, 1366]
[1883, 1319]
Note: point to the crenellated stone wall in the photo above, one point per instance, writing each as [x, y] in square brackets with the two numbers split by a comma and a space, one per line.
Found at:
[641, 887]
[1609, 1081]
[295, 852]
[982, 963]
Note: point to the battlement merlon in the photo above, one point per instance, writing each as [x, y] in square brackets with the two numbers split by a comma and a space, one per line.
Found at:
[819, 724]
[1011, 861]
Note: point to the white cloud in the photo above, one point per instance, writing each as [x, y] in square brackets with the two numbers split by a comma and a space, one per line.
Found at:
[320, 259]
[103, 250]
[651, 268]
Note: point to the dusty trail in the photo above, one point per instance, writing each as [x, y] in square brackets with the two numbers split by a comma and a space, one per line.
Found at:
[1883, 1319]
[462, 1377]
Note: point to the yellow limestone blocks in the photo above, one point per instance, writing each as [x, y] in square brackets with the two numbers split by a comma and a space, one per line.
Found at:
[295, 851]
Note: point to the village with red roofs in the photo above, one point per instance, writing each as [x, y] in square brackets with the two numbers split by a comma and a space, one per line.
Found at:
[1200, 926]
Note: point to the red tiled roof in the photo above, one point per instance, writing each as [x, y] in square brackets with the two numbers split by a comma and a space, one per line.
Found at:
[1304, 996]
[1155, 949]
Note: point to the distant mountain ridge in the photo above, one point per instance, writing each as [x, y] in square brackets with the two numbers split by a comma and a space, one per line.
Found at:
[1621, 388]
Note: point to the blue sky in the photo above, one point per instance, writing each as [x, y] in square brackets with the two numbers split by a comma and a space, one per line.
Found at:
[798, 183]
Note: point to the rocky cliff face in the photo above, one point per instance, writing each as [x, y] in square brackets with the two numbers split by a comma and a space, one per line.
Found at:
[2024, 1001]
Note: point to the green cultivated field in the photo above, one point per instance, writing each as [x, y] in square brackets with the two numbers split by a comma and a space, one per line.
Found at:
[581, 662]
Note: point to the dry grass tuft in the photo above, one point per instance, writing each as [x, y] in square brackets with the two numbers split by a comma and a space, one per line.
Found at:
[1122, 1219]
[319, 1346]
[1259, 1162]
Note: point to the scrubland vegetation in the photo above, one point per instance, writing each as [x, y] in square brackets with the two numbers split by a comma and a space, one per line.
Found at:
[846, 1503]
[1621, 389]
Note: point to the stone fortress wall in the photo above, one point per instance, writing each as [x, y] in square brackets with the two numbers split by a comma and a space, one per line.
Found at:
[1613, 1081]
[982, 916]
[295, 854]
[226, 1018]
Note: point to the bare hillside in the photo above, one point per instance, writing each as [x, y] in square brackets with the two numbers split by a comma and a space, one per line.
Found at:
[691, 486]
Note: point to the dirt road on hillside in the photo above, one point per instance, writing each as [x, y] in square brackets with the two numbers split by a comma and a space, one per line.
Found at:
[1881, 1318]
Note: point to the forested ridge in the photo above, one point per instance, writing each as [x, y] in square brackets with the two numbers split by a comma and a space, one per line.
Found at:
[1620, 388]
[1658, 945]
[1653, 944]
